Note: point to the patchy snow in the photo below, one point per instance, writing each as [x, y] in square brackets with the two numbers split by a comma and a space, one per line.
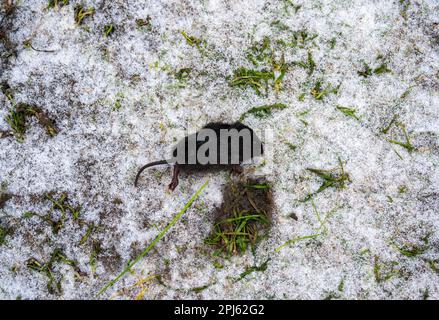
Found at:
[391, 202]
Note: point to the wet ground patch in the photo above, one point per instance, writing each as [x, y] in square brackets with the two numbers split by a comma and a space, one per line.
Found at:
[244, 217]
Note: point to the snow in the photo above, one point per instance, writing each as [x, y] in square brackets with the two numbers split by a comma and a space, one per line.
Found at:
[98, 150]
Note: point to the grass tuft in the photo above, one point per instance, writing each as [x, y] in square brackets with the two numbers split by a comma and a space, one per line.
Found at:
[434, 265]
[47, 268]
[243, 218]
[4, 233]
[257, 186]
[260, 53]
[249, 270]
[368, 71]
[17, 121]
[386, 129]
[80, 13]
[405, 5]
[56, 3]
[42, 118]
[269, 72]
[191, 40]
[384, 272]
[144, 23]
[348, 112]
[309, 64]
[262, 111]
[412, 251]
[234, 235]
[318, 92]
[91, 227]
[108, 30]
[302, 38]
[61, 204]
[335, 178]
[257, 80]
[405, 144]
[321, 230]
[118, 101]
[290, 4]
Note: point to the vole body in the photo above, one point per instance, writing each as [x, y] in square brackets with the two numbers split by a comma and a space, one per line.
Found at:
[218, 146]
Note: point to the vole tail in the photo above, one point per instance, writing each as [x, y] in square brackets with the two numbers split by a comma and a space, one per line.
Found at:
[151, 164]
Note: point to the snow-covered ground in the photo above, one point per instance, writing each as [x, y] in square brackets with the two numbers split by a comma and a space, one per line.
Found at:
[117, 101]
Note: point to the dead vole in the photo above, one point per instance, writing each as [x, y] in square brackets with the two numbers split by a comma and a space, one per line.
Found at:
[219, 146]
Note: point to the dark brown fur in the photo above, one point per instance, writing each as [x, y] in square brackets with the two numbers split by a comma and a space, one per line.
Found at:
[182, 164]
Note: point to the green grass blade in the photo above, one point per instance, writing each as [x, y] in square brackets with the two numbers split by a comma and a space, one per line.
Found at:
[295, 240]
[153, 243]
